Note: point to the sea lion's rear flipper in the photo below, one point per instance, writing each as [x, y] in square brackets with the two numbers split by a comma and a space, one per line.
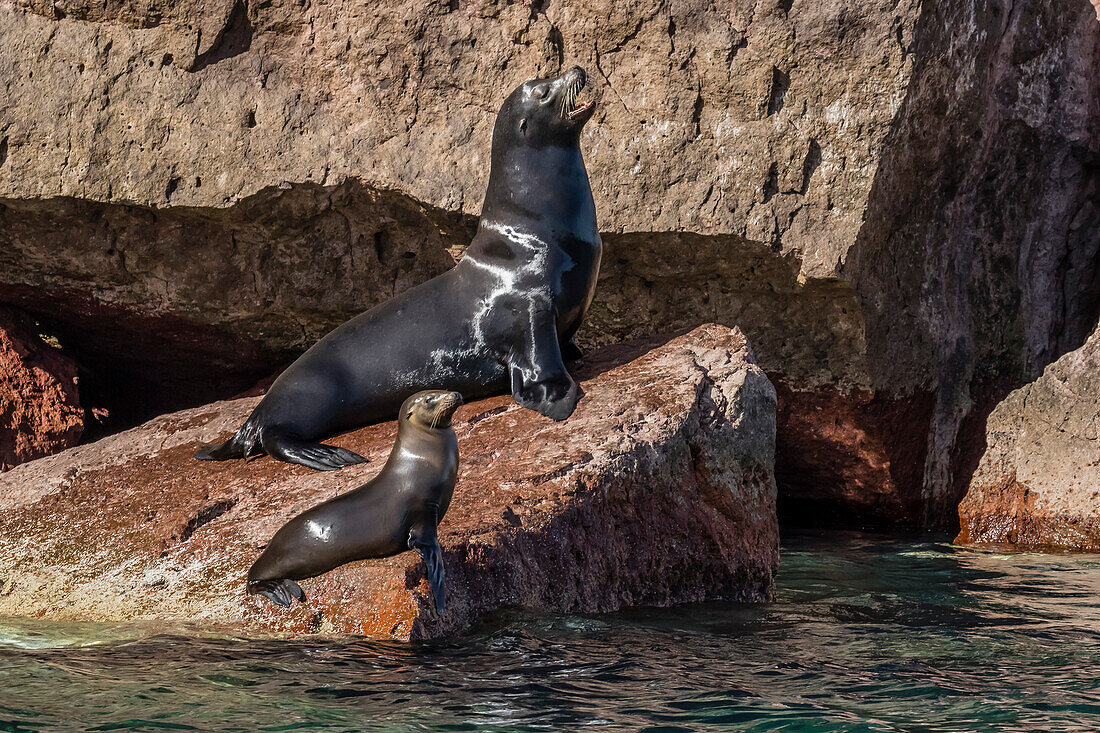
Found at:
[280, 591]
[217, 452]
[422, 538]
[313, 455]
[232, 448]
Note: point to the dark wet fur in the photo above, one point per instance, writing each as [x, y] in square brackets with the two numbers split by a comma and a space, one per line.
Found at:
[282, 592]
[538, 225]
[317, 456]
[433, 565]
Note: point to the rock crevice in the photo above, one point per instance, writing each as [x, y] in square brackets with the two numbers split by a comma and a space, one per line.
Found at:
[1038, 482]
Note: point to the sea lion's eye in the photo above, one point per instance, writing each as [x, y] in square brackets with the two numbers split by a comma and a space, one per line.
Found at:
[540, 91]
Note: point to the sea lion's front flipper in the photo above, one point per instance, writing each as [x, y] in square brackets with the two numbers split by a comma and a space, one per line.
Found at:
[423, 539]
[540, 380]
[570, 351]
[280, 591]
[312, 455]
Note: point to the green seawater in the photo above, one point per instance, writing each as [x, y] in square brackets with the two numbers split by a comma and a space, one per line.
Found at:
[867, 634]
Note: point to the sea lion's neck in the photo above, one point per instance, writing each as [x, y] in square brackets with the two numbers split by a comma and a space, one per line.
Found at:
[543, 191]
[418, 446]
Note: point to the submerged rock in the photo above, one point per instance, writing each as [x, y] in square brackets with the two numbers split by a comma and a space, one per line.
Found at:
[40, 409]
[1038, 483]
[658, 490]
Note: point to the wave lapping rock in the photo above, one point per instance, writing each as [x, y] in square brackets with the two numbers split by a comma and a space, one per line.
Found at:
[658, 490]
[1038, 484]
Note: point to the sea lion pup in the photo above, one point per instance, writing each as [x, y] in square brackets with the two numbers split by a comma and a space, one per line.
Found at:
[496, 322]
[397, 510]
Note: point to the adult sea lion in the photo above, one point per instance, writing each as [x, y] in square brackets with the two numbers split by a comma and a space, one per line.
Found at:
[397, 510]
[498, 321]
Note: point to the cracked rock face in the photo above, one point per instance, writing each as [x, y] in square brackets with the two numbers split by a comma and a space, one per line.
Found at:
[658, 490]
[262, 171]
[895, 200]
[979, 262]
[1038, 483]
[40, 409]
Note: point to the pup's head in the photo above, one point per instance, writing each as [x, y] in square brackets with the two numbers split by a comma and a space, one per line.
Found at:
[431, 408]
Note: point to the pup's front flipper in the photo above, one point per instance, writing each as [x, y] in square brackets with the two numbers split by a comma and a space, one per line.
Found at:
[312, 455]
[423, 539]
[281, 591]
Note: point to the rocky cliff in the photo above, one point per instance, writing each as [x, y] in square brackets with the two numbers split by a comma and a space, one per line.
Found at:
[659, 490]
[895, 200]
[1038, 483]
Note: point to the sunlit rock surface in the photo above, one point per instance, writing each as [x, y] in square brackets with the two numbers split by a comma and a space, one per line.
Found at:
[658, 490]
[1038, 483]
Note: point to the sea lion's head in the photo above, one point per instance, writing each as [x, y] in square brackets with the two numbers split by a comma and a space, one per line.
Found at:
[431, 408]
[544, 111]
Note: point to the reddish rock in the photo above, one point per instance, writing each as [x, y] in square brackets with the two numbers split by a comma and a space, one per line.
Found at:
[658, 490]
[39, 406]
[850, 458]
[193, 191]
[1038, 483]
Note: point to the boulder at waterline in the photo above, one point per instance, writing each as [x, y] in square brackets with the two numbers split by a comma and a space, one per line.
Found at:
[1038, 483]
[40, 409]
[658, 490]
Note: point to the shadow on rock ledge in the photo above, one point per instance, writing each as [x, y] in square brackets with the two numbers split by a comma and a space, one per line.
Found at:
[658, 490]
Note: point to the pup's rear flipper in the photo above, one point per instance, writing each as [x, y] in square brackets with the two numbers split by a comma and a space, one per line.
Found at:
[281, 591]
[312, 455]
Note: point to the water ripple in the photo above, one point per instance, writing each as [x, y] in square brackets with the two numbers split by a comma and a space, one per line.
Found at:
[866, 634]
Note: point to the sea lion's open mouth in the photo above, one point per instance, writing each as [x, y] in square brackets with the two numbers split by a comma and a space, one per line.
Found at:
[570, 109]
[576, 112]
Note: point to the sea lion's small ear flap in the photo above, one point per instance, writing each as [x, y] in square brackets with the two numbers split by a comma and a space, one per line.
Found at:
[523, 126]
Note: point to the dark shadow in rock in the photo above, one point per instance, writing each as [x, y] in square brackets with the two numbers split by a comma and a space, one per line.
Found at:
[978, 262]
[168, 308]
[233, 40]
